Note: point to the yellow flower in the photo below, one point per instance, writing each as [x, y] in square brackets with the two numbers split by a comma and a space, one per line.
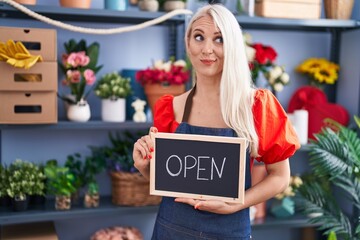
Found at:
[320, 70]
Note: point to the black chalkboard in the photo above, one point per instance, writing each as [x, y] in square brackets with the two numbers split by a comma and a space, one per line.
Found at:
[198, 166]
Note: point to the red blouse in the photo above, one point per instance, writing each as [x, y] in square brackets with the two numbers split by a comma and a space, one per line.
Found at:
[277, 138]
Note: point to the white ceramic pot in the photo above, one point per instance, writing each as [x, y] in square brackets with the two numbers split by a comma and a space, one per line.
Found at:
[79, 112]
[149, 5]
[113, 110]
[171, 5]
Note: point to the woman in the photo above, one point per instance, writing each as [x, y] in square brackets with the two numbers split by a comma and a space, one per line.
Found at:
[225, 103]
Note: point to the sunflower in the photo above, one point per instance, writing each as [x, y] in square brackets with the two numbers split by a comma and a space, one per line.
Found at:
[320, 70]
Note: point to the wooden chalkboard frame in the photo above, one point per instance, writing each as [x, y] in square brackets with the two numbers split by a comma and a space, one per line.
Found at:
[205, 138]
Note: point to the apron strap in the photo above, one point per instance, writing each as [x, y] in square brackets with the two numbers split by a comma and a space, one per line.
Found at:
[188, 105]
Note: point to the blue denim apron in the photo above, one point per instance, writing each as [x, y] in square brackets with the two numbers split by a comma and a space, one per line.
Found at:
[179, 221]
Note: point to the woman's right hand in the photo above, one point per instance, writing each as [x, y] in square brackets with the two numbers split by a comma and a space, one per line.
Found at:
[142, 153]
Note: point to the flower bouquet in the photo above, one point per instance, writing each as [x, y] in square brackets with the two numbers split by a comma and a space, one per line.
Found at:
[262, 59]
[163, 78]
[320, 71]
[79, 65]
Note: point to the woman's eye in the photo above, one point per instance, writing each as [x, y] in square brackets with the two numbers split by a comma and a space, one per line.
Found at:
[219, 40]
[198, 38]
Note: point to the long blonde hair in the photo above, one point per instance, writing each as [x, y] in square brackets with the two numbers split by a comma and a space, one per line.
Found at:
[236, 87]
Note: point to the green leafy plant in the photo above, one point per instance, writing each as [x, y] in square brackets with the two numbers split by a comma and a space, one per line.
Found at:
[60, 181]
[93, 188]
[84, 171]
[117, 157]
[335, 161]
[113, 86]
[3, 180]
[24, 178]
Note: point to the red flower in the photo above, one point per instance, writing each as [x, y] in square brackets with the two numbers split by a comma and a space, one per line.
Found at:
[264, 54]
[167, 73]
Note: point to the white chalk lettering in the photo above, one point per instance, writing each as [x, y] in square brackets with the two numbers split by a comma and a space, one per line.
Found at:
[167, 166]
[186, 164]
[217, 170]
[201, 164]
[201, 169]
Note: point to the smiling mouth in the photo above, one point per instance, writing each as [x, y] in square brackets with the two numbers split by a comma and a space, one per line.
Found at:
[207, 61]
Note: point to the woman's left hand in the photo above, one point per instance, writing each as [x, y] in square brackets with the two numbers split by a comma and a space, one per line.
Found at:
[214, 206]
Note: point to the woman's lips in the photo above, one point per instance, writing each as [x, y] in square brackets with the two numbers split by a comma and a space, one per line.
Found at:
[207, 61]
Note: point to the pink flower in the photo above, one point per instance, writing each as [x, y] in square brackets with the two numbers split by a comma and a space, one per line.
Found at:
[90, 77]
[73, 76]
[78, 59]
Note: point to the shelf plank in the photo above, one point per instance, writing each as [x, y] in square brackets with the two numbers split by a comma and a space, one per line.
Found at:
[262, 23]
[93, 125]
[87, 15]
[47, 212]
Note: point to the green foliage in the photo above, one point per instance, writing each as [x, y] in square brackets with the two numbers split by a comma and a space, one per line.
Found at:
[24, 178]
[84, 171]
[93, 188]
[3, 180]
[335, 159]
[117, 157]
[60, 181]
[113, 86]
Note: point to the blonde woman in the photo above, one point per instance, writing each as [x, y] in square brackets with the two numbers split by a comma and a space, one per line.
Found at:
[224, 103]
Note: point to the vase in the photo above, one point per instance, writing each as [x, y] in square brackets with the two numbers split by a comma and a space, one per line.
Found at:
[120, 5]
[28, 2]
[149, 5]
[79, 112]
[154, 91]
[171, 5]
[91, 200]
[75, 4]
[113, 110]
[283, 208]
[62, 202]
[338, 9]
[20, 204]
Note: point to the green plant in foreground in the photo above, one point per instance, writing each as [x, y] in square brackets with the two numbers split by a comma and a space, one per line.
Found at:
[335, 159]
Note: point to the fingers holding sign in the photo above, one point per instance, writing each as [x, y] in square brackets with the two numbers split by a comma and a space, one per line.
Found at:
[142, 153]
[214, 206]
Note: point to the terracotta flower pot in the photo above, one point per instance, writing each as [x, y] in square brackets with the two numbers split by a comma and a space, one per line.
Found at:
[154, 91]
[75, 4]
[29, 2]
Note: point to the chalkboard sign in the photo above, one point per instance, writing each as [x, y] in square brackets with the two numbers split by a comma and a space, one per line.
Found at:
[198, 166]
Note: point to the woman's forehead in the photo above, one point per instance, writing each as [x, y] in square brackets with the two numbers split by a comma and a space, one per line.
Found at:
[205, 21]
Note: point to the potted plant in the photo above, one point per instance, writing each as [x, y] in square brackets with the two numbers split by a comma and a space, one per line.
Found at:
[113, 89]
[24, 179]
[129, 187]
[163, 78]
[92, 197]
[84, 172]
[60, 182]
[4, 198]
[335, 161]
[79, 64]
[170, 5]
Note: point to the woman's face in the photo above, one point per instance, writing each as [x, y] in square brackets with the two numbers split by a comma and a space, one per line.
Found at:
[205, 48]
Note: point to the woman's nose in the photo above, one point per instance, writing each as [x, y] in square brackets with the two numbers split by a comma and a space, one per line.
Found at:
[208, 47]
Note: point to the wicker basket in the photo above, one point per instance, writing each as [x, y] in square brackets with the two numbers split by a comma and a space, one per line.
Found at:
[131, 189]
[338, 9]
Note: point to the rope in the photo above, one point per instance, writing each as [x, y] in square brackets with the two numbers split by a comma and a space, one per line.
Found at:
[96, 30]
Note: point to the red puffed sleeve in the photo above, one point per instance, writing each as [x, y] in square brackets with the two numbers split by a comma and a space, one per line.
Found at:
[164, 118]
[277, 138]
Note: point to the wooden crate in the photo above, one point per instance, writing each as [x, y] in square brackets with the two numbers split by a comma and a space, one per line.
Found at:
[299, 9]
